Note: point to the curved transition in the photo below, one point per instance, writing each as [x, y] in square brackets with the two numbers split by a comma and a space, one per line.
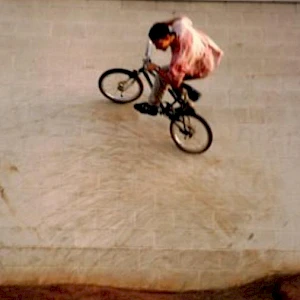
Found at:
[284, 287]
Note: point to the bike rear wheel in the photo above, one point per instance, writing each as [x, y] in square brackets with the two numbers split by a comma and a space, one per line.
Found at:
[191, 133]
[120, 85]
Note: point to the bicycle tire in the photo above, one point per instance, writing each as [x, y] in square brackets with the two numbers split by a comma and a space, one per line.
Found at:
[131, 75]
[204, 124]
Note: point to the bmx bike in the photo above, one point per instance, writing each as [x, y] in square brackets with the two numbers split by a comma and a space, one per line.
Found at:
[190, 132]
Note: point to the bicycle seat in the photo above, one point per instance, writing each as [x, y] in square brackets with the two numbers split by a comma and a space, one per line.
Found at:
[193, 94]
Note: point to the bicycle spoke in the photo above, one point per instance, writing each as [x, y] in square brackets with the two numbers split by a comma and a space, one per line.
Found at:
[120, 86]
[191, 134]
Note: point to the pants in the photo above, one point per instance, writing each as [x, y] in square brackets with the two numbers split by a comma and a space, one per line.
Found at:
[159, 87]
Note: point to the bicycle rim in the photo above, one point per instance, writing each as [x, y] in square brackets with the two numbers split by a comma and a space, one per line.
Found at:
[120, 87]
[191, 134]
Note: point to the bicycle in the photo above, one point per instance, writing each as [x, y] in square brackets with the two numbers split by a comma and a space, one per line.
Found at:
[181, 117]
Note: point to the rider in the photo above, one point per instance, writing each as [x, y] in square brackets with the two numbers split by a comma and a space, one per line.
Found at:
[194, 55]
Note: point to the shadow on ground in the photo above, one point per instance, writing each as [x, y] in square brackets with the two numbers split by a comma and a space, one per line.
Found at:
[278, 287]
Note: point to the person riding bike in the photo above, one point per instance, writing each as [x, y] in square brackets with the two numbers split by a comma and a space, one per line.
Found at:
[194, 55]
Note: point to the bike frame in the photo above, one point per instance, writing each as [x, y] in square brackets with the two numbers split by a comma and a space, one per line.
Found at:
[145, 72]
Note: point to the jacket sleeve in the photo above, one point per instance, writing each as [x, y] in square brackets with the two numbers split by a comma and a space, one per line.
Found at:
[176, 75]
[218, 53]
[178, 64]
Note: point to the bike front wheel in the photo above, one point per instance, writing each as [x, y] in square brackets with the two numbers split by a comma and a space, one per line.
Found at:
[120, 85]
[191, 133]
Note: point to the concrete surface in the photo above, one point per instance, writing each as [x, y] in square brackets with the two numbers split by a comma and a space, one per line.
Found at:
[92, 192]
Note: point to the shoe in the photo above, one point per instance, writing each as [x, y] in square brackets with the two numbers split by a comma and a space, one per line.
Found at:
[193, 94]
[146, 108]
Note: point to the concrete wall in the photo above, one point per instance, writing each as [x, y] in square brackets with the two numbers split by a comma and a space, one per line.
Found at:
[93, 192]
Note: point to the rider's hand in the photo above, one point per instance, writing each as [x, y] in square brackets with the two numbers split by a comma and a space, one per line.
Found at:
[152, 66]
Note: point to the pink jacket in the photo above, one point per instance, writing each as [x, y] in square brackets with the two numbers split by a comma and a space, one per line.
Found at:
[194, 53]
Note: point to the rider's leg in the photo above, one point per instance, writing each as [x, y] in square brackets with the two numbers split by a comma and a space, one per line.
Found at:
[196, 94]
[158, 89]
[160, 86]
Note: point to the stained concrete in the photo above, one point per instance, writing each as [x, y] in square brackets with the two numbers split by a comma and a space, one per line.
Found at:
[284, 287]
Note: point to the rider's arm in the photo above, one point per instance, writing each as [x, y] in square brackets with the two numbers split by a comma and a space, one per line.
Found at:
[175, 76]
[179, 64]
[172, 76]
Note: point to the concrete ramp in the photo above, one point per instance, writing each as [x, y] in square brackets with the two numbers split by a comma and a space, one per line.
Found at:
[92, 192]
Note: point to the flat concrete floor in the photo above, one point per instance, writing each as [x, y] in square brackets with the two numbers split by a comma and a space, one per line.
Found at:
[93, 192]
